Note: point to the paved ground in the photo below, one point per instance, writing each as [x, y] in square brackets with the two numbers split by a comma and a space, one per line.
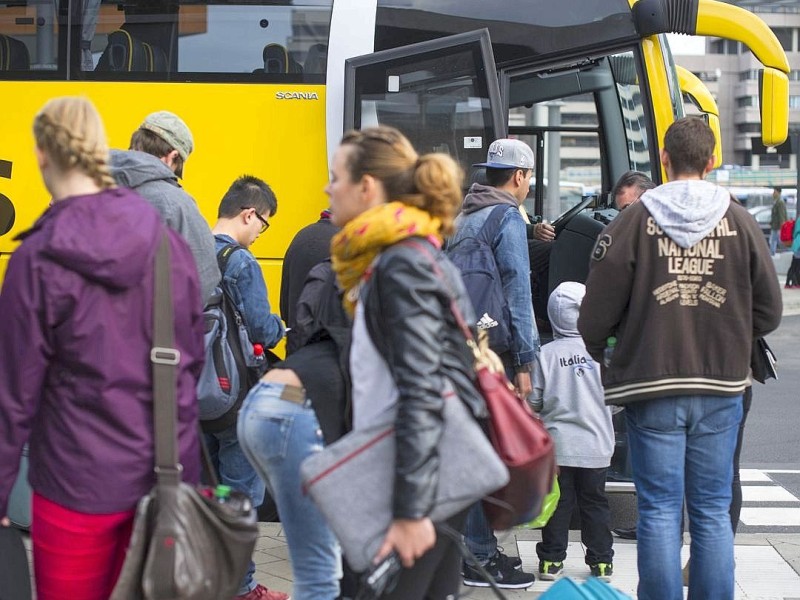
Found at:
[757, 555]
[767, 563]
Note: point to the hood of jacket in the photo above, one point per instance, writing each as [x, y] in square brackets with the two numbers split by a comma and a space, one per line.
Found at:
[110, 237]
[563, 308]
[480, 196]
[687, 209]
[132, 168]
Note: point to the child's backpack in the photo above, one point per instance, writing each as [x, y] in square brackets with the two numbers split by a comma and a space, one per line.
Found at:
[786, 231]
[231, 365]
[475, 259]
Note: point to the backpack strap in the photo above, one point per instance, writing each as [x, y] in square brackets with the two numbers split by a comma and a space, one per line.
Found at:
[492, 223]
[224, 255]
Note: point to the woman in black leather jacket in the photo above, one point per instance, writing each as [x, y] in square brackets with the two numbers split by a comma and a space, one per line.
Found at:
[395, 207]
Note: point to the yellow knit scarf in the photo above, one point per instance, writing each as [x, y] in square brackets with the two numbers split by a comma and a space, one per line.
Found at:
[358, 243]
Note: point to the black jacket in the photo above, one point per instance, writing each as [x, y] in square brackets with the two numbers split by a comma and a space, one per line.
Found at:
[321, 350]
[410, 321]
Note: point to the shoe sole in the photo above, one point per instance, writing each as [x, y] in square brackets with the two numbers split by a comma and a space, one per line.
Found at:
[550, 576]
[500, 584]
[606, 578]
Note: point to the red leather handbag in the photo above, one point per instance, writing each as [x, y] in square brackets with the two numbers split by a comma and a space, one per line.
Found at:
[522, 443]
[519, 438]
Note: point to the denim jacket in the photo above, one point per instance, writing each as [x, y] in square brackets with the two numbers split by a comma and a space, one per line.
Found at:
[244, 281]
[510, 247]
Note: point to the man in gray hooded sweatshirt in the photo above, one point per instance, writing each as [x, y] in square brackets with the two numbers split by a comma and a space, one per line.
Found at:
[684, 282]
[158, 150]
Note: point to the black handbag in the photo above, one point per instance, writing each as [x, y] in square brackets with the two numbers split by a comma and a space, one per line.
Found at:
[186, 544]
[15, 577]
[763, 363]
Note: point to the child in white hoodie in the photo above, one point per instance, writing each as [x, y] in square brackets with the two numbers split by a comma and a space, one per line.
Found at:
[568, 395]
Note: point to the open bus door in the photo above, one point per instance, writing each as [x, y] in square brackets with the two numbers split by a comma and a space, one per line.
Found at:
[442, 94]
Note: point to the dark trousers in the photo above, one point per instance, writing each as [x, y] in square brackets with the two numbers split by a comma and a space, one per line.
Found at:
[437, 574]
[736, 500]
[588, 487]
[793, 274]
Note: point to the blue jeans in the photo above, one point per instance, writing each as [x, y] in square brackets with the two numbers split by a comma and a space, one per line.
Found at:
[277, 435]
[478, 534]
[683, 446]
[774, 239]
[235, 470]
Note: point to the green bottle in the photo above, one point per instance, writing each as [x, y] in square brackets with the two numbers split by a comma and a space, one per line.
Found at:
[222, 493]
[611, 343]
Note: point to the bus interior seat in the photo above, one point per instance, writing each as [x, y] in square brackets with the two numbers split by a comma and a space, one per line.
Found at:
[14, 55]
[569, 257]
[125, 53]
[316, 59]
[277, 60]
[478, 175]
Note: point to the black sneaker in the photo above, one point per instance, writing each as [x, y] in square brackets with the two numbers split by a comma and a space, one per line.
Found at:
[603, 571]
[504, 574]
[513, 561]
[550, 571]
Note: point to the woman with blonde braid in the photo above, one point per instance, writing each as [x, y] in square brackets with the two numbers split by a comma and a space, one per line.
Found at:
[407, 350]
[75, 373]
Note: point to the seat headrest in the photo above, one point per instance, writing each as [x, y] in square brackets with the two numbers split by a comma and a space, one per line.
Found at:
[125, 53]
[14, 55]
[277, 60]
[316, 59]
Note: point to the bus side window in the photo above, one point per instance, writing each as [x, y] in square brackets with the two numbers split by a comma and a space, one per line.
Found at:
[14, 54]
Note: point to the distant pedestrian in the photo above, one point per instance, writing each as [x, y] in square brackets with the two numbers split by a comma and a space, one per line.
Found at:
[159, 149]
[568, 395]
[244, 213]
[684, 283]
[793, 273]
[777, 219]
[75, 372]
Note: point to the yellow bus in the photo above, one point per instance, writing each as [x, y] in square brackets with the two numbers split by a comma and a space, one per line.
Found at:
[268, 86]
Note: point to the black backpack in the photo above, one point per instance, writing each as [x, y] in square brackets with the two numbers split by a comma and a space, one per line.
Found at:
[474, 257]
[231, 367]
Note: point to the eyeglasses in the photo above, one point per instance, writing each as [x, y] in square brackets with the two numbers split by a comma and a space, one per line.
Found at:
[264, 222]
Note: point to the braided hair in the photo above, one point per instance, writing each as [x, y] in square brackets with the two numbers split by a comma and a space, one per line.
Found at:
[70, 130]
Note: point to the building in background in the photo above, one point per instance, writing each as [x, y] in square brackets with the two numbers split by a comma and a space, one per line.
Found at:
[730, 72]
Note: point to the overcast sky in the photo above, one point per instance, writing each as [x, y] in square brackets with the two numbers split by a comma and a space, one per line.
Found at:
[686, 44]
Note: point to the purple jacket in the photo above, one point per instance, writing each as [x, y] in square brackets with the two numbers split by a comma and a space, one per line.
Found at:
[75, 339]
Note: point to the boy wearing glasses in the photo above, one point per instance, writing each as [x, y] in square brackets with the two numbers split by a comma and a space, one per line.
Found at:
[243, 215]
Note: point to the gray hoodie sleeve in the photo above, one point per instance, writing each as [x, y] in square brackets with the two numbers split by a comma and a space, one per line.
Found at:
[188, 221]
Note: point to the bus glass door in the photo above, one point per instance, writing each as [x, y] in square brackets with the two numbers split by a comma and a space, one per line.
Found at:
[442, 94]
[589, 123]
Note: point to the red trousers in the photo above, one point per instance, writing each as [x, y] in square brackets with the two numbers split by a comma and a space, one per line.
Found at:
[77, 555]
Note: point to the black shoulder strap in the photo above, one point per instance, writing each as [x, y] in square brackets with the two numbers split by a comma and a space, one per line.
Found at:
[492, 223]
[224, 255]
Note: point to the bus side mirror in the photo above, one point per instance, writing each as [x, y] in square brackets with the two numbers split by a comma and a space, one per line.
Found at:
[773, 98]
